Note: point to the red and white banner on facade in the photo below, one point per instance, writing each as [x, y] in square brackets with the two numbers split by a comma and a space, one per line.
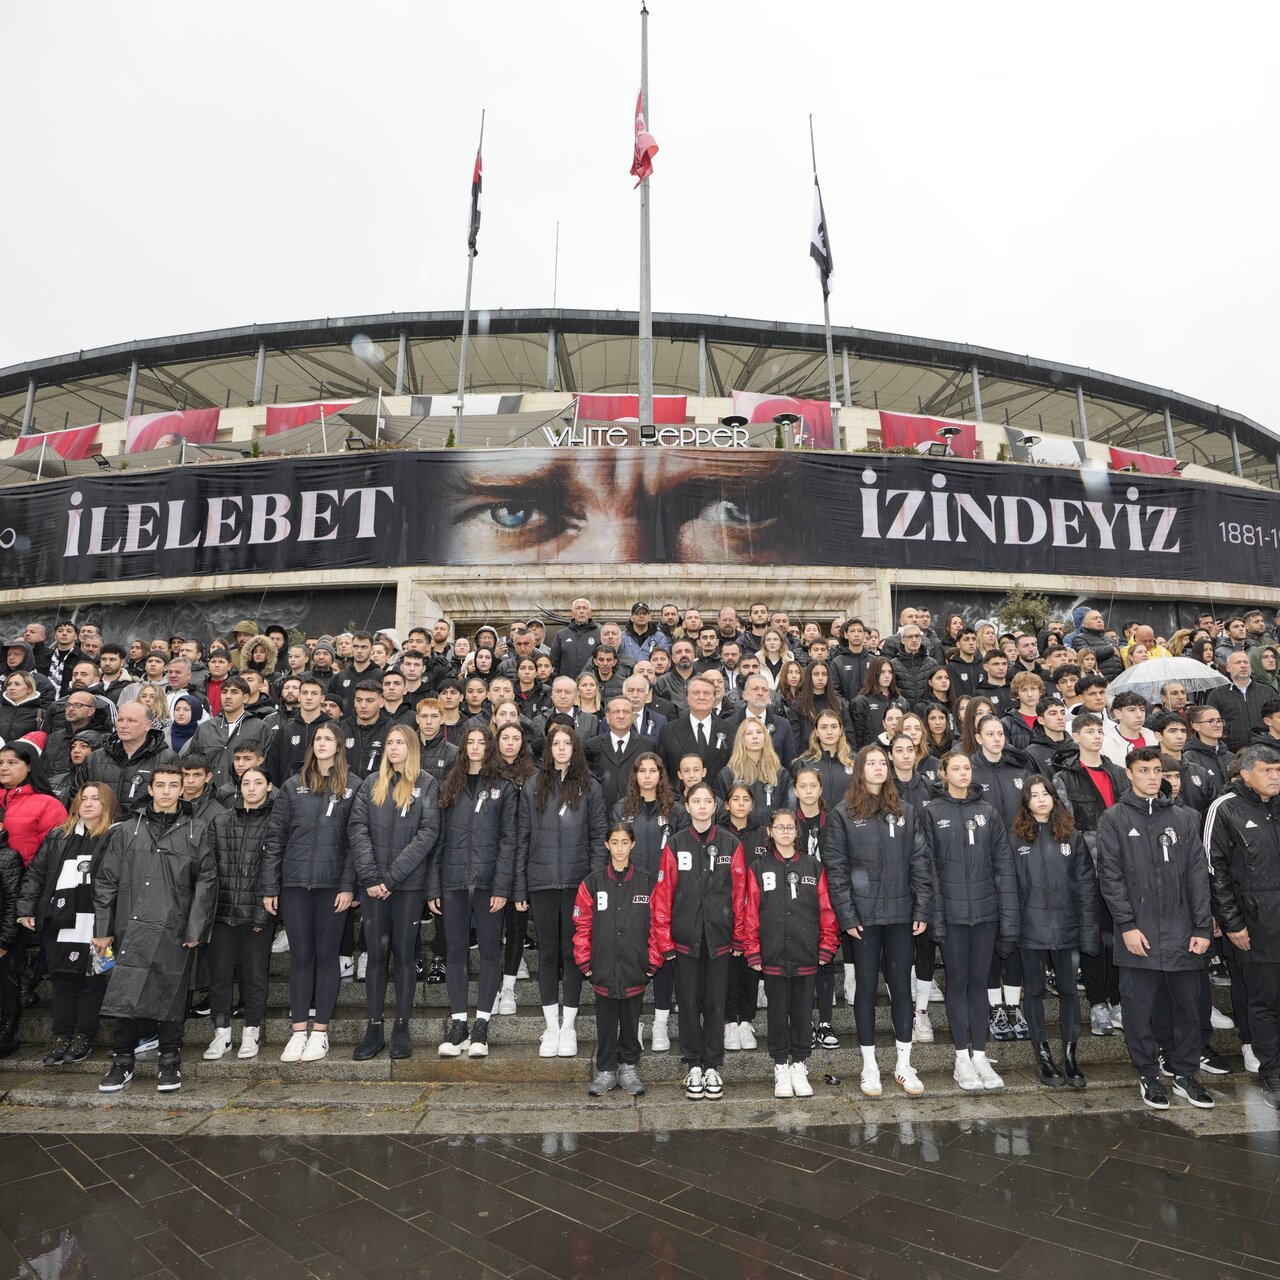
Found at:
[284, 417]
[164, 430]
[908, 430]
[73, 444]
[1152, 464]
[667, 410]
[815, 429]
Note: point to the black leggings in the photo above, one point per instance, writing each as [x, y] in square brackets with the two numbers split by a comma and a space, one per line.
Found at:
[926, 957]
[516, 924]
[1065, 963]
[391, 929]
[664, 986]
[824, 986]
[1006, 971]
[314, 930]
[553, 918]
[458, 907]
[894, 943]
[967, 951]
[76, 1002]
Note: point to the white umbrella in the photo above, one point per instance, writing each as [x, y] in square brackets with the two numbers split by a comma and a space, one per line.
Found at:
[1147, 677]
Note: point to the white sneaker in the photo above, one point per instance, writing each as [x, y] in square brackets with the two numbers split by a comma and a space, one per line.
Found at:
[732, 1042]
[782, 1087]
[506, 1001]
[362, 965]
[935, 993]
[522, 973]
[907, 1079]
[317, 1047]
[549, 1045]
[219, 1046]
[693, 1084]
[921, 1027]
[986, 1073]
[249, 1042]
[965, 1075]
[746, 1035]
[800, 1080]
[346, 967]
[567, 1046]
[661, 1037]
[870, 1081]
[294, 1046]
[1251, 1063]
[850, 984]
[280, 943]
[1219, 1020]
[713, 1084]
[1117, 1020]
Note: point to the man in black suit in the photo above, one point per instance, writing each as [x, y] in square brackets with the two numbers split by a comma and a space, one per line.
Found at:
[756, 705]
[646, 721]
[611, 755]
[697, 731]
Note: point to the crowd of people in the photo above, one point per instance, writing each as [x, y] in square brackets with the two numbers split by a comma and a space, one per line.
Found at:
[745, 812]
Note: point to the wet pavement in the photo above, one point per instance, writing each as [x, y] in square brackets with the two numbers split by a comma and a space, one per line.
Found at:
[1102, 1195]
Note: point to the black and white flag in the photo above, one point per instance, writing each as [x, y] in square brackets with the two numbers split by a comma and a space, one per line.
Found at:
[819, 243]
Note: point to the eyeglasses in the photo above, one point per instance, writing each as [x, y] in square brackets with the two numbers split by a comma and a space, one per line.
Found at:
[1207, 720]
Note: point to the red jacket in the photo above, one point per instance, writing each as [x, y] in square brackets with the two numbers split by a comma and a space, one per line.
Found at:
[788, 925]
[28, 817]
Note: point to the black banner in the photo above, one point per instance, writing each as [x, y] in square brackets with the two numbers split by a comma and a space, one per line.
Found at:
[632, 505]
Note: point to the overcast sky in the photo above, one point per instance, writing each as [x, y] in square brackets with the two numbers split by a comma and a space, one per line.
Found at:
[1094, 184]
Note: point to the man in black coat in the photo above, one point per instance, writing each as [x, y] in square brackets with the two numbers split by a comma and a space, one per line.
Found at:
[611, 755]
[696, 731]
[1154, 878]
[571, 649]
[1240, 702]
[1242, 833]
[756, 700]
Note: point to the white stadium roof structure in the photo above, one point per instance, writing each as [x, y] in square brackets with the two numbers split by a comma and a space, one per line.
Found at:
[596, 351]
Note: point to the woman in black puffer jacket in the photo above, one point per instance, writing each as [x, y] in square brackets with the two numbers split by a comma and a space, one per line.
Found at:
[395, 818]
[308, 877]
[562, 833]
[1058, 918]
[241, 937]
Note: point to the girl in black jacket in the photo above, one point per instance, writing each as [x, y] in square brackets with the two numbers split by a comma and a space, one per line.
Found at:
[561, 838]
[828, 752]
[241, 938]
[1058, 918]
[811, 833]
[611, 948]
[472, 873]
[57, 889]
[743, 1001]
[509, 755]
[881, 887]
[879, 690]
[307, 877]
[653, 813]
[819, 693]
[975, 909]
[395, 818]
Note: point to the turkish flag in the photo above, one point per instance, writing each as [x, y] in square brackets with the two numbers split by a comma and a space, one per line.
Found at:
[1152, 464]
[907, 430]
[73, 443]
[283, 417]
[164, 430]
[646, 147]
[815, 429]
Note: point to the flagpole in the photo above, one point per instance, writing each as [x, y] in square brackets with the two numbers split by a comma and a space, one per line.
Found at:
[466, 324]
[826, 300]
[646, 306]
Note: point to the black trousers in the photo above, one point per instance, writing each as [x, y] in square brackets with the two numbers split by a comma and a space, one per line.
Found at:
[1101, 977]
[391, 930]
[926, 957]
[742, 1002]
[553, 918]
[617, 1032]
[11, 964]
[702, 986]
[76, 1004]
[516, 925]
[1140, 991]
[887, 947]
[1263, 983]
[1005, 971]
[967, 951]
[439, 944]
[1238, 968]
[129, 1032]
[1035, 965]
[459, 904]
[824, 987]
[230, 946]
[664, 986]
[789, 1015]
[315, 934]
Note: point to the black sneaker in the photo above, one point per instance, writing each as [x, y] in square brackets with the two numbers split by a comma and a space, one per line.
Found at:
[119, 1075]
[999, 1028]
[1153, 1094]
[1193, 1091]
[57, 1054]
[435, 974]
[479, 1047]
[169, 1075]
[455, 1040]
[1018, 1024]
[200, 1007]
[79, 1048]
[1271, 1091]
[824, 1037]
[1214, 1063]
[1218, 974]
[1165, 1069]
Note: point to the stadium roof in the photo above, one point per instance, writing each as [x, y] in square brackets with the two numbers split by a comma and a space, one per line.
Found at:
[596, 351]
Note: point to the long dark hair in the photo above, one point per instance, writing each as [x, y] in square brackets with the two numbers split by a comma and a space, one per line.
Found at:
[577, 778]
[521, 769]
[969, 725]
[871, 685]
[805, 704]
[860, 802]
[37, 778]
[662, 796]
[455, 781]
[1025, 824]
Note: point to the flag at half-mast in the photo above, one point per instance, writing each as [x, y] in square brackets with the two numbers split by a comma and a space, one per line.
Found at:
[820, 243]
[646, 147]
[474, 230]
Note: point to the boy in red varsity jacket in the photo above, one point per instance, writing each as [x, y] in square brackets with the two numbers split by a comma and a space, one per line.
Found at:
[788, 929]
[611, 947]
[697, 904]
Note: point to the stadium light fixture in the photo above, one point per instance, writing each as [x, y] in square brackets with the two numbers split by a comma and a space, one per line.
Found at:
[648, 433]
[948, 433]
[938, 449]
[103, 462]
[735, 420]
[1028, 442]
[355, 444]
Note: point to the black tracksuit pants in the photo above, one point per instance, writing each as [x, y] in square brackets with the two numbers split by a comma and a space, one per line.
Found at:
[617, 1032]
[76, 1003]
[789, 1014]
[702, 985]
[237, 945]
[1140, 991]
